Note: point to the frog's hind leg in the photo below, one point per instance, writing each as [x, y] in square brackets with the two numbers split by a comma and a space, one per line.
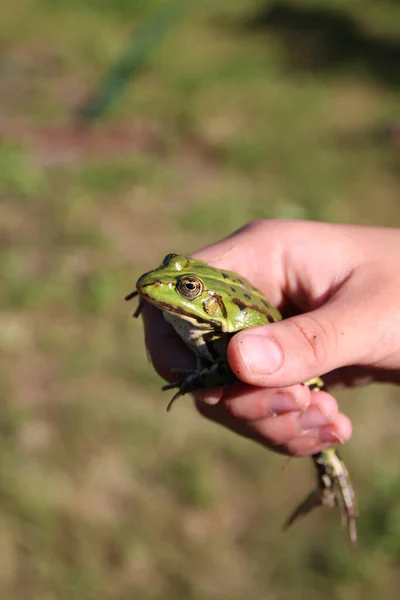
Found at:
[307, 505]
[334, 487]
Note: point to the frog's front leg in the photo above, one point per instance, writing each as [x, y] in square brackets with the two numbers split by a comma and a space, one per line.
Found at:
[207, 376]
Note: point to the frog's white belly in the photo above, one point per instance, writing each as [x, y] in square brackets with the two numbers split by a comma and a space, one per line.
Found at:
[191, 332]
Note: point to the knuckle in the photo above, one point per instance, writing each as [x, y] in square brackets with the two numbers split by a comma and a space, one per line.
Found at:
[317, 337]
[273, 224]
[252, 226]
[256, 223]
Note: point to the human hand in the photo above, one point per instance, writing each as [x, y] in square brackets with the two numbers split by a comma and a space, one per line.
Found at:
[338, 283]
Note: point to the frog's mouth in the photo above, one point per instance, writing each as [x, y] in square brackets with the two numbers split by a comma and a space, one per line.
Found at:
[140, 289]
[164, 306]
[143, 297]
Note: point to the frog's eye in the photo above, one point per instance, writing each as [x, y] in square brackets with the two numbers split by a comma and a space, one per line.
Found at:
[190, 287]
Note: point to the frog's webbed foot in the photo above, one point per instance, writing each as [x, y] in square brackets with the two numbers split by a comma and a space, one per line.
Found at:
[334, 488]
[211, 376]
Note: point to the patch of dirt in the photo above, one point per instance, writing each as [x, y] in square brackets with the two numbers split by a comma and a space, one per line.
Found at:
[69, 144]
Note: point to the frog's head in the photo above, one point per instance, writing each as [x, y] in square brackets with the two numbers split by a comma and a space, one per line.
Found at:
[181, 286]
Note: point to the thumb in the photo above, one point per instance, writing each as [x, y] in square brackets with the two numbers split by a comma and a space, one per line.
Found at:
[305, 346]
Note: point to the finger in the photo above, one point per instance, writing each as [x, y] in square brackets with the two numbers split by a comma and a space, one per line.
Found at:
[211, 397]
[252, 403]
[280, 430]
[314, 440]
[264, 250]
[219, 414]
[337, 432]
[165, 348]
[293, 350]
[241, 250]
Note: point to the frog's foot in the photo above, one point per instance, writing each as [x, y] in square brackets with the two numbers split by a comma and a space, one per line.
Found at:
[307, 505]
[211, 376]
[334, 488]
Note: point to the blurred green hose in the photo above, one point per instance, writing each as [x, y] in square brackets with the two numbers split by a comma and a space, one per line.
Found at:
[133, 59]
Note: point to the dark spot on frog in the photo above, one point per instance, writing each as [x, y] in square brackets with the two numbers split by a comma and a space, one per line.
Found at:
[247, 296]
[265, 303]
[240, 281]
[239, 303]
[225, 276]
[233, 289]
[243, 306]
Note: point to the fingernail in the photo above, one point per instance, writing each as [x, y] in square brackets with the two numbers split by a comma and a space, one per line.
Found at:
[328, 436]
[260, 354]
[210, 397]
[313, 418]
[281, 403]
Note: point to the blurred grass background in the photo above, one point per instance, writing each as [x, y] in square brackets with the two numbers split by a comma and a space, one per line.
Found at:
[246, 109]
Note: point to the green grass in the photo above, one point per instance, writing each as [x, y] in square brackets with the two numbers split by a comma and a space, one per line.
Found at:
[102, 496]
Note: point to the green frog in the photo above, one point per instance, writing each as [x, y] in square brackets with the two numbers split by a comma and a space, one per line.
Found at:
[206, 307]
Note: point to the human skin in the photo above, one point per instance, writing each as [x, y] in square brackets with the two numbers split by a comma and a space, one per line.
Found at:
[339, 285]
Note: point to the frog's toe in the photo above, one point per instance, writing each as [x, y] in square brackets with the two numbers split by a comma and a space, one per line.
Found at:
[174, 397]
[171, 386]
[307, 505]
[184, 386]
